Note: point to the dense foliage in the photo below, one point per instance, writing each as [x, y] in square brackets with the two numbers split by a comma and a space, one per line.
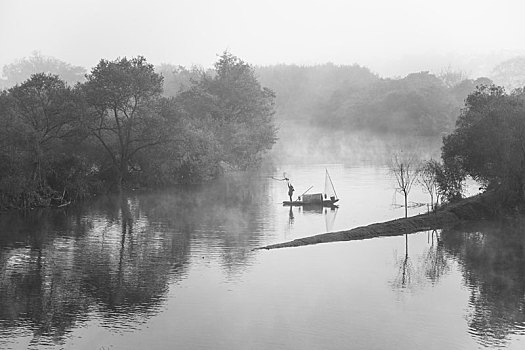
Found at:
[59, 143]
[233, 104]
[488, 143]
[121, 99]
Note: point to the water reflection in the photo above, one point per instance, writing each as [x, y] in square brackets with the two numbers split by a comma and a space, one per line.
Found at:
[428, 266]
[115, 257]
[327, 214]
[108, 266]
[116, 262]
[492, 257]
[405, 269]
[436, 259]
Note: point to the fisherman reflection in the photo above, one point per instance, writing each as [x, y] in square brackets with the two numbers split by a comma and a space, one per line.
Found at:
[290, 216]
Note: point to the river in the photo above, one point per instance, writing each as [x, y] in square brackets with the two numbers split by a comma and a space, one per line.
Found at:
[176, 269]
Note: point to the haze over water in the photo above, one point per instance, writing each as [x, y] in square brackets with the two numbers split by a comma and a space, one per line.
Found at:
[175, 268]
[183, 273]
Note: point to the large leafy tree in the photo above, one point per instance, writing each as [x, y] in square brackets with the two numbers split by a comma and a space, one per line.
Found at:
[489, 141]
[122, 97]
[42, 106]
[188, 155]
[247, 109]
[36, 118]
[236, 111]
[42, 109]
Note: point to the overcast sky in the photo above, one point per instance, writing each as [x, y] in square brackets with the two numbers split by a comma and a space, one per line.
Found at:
[379, 34]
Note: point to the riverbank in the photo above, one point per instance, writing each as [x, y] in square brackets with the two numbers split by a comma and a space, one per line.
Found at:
[473, 208]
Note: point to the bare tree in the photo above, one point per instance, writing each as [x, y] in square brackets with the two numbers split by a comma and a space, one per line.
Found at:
[405, 169]
[451, 77]
[428, 180]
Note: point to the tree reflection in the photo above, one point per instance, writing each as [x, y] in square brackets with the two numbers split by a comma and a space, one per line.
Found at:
[115, 257]
[492, 257]
[436, 261]
[58, 267]
[134, 262]
[405, 270]
[428, 266]
[226, 216]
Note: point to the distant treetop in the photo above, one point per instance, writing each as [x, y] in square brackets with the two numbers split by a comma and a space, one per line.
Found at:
[20, 70]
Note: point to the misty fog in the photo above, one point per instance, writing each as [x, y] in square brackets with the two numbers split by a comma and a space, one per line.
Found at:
[153, 154]
[334, 113]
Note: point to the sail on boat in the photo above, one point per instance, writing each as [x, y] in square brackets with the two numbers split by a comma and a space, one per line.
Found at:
[328, 198]
[329, 189]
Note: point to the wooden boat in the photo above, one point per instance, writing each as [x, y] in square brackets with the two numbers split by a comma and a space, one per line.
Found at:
[326, 199]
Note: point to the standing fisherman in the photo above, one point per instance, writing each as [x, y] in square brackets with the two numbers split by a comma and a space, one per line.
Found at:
[290, 190]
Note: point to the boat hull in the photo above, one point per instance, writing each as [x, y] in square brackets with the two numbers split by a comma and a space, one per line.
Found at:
[328, 203]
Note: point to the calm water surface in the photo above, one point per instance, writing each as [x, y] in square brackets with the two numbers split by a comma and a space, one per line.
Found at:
[175, 269]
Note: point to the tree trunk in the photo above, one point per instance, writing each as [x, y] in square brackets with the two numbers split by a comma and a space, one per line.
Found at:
[119, 182]
[406, 204]
[121, 176]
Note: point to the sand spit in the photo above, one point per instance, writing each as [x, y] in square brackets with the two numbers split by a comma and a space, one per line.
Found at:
[473, 208]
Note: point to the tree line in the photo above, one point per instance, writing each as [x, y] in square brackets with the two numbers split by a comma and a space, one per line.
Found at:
[487, 145]
[127, 122]
[329, 96]
[116, 129]
[326, 96]
[352, 98]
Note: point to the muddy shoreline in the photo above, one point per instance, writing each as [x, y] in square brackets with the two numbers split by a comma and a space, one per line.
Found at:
[473, 208]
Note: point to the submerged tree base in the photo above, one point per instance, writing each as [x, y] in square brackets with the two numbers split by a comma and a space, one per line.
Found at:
[473, 208]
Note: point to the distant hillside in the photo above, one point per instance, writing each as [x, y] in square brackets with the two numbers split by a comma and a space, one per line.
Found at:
[353, 98]
[510, 73]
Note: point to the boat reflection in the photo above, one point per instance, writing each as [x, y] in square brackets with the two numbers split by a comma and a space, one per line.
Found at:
[326, 214]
